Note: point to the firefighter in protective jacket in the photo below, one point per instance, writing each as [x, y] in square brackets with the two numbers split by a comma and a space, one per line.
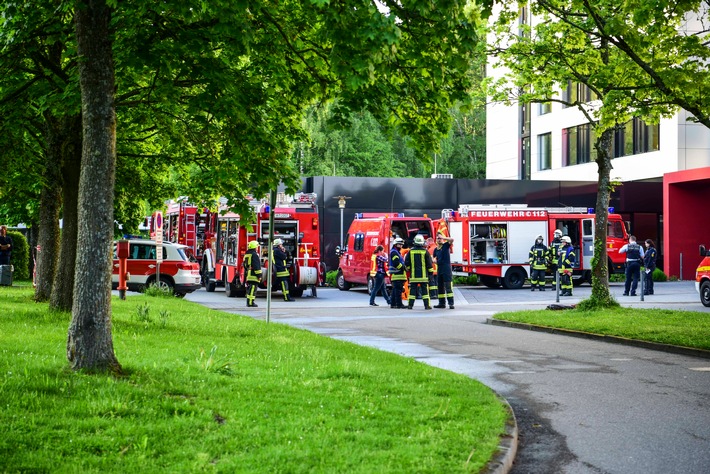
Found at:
[567, 258]
[282, 273]
[398, 274]
[419, 264]
[252, 272]
[539, 255]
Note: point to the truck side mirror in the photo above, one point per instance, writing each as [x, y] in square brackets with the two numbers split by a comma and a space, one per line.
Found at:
[703, 252]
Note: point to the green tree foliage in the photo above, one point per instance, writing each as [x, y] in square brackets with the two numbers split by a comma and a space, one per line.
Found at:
[564, 46]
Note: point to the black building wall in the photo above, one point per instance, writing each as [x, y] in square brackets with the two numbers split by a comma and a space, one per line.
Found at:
[418, 196]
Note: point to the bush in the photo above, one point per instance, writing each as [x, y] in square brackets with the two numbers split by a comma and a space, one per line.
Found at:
[471, 280]
[20, 257]
[658, 275]
[331, 278]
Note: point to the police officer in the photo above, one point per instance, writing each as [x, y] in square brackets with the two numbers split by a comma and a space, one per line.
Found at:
[282, 273]
[252, 272]
[566, 263]
[398, 274]
[554, 256]
[634, 258]
[419, 264]
[444, 276]
[649, 261]
[538, 257]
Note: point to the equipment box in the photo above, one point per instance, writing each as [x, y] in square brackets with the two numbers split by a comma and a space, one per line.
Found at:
[5, 275]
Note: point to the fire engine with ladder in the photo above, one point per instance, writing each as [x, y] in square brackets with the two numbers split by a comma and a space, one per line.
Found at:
[295, 223]
[493, 241]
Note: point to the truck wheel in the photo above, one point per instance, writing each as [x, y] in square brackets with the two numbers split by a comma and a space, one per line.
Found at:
[342, 284]
[296, 291]
[230, 288]
[514, 278]
[490, 282]
[705, 293]
[210, 286]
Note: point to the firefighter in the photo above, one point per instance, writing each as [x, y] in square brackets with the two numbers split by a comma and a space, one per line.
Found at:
[539, 257]
[398, 275]
[566, 262]
[554, 257]
[252, 272]
[444, 278]
[419, 264]
[433, 285]
[634, 258]
[282, 273]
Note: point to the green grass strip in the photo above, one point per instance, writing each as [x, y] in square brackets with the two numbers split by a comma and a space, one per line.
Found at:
[679, 328]
[217, 392]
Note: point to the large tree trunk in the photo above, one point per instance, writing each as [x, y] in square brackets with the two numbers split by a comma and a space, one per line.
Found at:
[90, 341]
[50, 204]
[600, 267]
[62, 296]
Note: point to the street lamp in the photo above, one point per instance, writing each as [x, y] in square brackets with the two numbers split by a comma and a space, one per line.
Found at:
[341, 205]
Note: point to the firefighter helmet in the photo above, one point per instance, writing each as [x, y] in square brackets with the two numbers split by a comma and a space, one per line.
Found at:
[398, 241]
[566, 239]
[278, 242]
[253, 244]
[419, 239]
[558, 233]
[539, 237]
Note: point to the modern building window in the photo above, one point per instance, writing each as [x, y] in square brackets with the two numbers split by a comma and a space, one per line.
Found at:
[578, 145]
[544, 151]
[544, 108]
[635, 137]
[577, 92]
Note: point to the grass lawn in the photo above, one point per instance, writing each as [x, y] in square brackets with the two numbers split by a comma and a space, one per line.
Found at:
[680, 328]
[210, 391]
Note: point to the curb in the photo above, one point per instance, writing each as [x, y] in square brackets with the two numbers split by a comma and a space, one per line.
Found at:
[687, 351]
[502, 460]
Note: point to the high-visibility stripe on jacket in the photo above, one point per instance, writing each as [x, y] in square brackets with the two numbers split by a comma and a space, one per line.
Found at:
[418, 262]
[397, 268]
[252, 266]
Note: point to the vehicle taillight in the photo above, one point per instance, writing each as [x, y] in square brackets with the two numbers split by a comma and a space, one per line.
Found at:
[187, 266]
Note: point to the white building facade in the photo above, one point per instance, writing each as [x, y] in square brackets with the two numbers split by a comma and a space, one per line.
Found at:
[553, 142]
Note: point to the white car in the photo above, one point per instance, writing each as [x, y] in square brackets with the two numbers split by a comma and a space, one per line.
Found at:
[177, 272]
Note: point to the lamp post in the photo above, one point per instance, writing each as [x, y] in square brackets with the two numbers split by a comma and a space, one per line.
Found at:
[341, 205]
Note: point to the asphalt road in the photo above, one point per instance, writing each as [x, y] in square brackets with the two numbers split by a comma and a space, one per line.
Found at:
[582, 406]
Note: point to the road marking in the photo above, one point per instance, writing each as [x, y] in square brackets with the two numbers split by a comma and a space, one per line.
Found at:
[621, 360]
[700, 369]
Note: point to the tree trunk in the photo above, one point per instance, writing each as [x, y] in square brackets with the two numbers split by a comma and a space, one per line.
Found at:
[90, 340]
[50, 204]
[600, 267]
[62, 296]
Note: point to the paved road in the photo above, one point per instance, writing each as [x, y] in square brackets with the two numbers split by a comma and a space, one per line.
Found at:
[582, 406]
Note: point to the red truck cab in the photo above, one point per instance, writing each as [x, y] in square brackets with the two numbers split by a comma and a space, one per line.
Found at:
[702, 277]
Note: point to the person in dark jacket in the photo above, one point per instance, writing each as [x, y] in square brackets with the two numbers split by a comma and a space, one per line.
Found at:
[649, 261]
[398, 274]
[444, 276]
[565, 266]
[538, 257]
[554, 254]
[634, 258]
[419, 264]
[252, 272]
[282, 273]
[5, 246]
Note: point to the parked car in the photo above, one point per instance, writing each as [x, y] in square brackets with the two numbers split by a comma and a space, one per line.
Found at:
[177, 272]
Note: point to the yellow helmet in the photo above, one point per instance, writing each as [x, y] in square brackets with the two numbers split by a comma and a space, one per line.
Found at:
[253, 244]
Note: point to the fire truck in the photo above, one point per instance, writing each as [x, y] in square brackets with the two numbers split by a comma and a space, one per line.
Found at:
[493, 241]
[367, 231]
[295, 222]
[189, 225]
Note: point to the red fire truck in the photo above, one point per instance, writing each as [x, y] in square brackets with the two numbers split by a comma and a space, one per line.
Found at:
[295, 222]
[702, 277]
[189, 225]
[366, 232]
[493, 241]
